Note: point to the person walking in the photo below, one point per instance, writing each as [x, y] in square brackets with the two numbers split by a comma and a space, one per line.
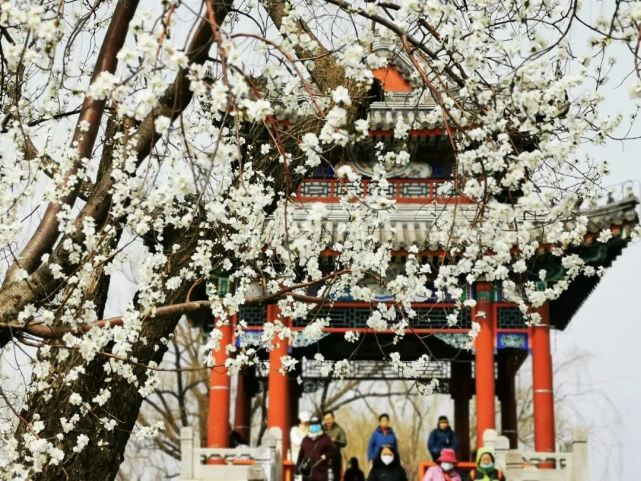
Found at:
[386, 466]
[297, 433]
[354, 473]
[382, 435]
[316, 453]
[445, 468]
[486, 469]
[441, 437]
[337, 435]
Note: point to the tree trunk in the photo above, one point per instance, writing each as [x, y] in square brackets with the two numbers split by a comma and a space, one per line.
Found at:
[101, 458]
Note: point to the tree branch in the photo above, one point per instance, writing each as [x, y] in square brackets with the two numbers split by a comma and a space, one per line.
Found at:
[83, 140]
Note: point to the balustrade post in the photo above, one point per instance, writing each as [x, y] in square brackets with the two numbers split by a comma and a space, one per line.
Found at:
[514, 465]
[186, 453]
[580, 455]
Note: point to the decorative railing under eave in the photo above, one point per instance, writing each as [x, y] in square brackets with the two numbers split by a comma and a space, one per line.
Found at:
[408, 191]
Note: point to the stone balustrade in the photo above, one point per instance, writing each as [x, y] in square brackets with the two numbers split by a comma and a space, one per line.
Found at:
[263, 463]
[534, 466]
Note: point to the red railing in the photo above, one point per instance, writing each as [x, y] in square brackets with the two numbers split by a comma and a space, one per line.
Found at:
[401, 190]
[289, 470]
[462, 467]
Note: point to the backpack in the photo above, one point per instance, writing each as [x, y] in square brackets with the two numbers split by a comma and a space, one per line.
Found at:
[499, 474]
[305, 468]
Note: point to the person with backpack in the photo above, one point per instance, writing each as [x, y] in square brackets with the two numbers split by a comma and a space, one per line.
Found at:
[486, 469]
[316, 453]
[382, 435]
[444, 469]
[386, 466]
[441, 437]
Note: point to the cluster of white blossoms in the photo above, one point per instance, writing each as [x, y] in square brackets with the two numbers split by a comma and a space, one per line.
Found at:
[200, 149]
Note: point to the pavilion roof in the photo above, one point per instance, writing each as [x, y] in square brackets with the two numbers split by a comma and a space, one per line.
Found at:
[410, 224]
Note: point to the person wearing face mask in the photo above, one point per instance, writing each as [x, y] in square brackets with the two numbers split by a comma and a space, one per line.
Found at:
[444, 470]
[382, 435]
[486, 469]
[387, 466]
[316, 452]
[441, 437]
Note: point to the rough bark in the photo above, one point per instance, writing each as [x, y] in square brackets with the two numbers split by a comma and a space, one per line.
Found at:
[101, 458]
[83, 140]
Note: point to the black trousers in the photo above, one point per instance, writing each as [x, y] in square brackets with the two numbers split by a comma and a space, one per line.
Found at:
[337, 466]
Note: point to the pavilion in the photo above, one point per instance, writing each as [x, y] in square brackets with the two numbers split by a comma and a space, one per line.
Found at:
[485, 374]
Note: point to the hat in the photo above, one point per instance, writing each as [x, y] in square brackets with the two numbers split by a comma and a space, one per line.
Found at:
[448, 455]
[314, 420]
[443, 418]
[304, 416]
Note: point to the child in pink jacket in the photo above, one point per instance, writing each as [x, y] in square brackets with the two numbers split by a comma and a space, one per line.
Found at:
[444, 470]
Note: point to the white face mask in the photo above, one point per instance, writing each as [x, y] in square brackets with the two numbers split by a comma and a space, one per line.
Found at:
[447, 466]
[387, 459]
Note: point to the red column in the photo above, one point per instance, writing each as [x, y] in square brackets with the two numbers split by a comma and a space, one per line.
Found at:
[542, 384]
[242, 419]
[278, 401]
[219, 391]
[484, 361]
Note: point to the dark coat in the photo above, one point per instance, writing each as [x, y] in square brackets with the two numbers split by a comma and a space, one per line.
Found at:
[382, 472]
[354, 474]
[387, 474]
[440, 439]
[314, 449]
[338, 435]
[378, 439]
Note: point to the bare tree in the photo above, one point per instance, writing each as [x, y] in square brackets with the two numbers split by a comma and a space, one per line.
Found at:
[412, 416]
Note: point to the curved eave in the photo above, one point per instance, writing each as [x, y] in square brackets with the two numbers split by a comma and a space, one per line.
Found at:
[563, 309]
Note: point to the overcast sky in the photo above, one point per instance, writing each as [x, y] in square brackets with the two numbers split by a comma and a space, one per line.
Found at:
[607, 384]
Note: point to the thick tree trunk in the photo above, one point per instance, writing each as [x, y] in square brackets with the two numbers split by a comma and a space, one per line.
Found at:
[101, 458]
[109, 425]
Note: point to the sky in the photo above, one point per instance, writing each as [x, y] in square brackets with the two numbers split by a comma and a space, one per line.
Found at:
[605, 386]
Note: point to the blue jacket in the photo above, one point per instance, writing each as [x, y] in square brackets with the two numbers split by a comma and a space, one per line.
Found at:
[378, 439]
[441, 439]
